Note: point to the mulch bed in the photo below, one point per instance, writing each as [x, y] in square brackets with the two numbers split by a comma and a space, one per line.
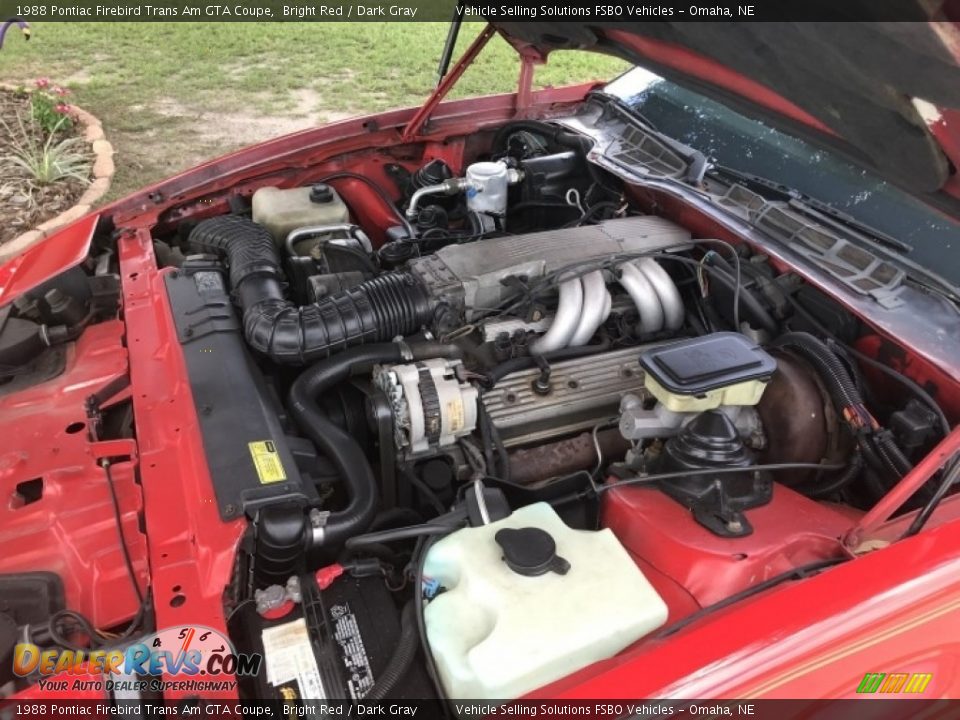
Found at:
[23, 204]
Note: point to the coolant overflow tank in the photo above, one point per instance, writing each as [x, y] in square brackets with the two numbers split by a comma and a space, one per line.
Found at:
[282, 211]
[499, 633]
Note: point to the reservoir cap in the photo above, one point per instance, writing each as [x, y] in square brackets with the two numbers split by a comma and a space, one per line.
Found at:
[321, 193]
[530, 551]
[699, 365]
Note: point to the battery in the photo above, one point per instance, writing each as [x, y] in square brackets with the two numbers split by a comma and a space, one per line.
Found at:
[332, 646]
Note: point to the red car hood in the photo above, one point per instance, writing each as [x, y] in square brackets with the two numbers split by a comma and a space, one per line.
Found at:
[885, 94]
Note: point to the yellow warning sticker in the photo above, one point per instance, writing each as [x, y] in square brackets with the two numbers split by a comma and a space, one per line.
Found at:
[455, 414]
[267, 461]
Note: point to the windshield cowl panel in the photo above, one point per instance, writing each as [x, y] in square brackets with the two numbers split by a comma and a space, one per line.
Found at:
[747, 145]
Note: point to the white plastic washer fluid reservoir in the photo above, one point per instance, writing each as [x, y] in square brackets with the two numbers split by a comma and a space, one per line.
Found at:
[499, 632]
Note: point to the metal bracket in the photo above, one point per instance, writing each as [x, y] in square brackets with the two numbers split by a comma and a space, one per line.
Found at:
[419, 120]
[525, 81]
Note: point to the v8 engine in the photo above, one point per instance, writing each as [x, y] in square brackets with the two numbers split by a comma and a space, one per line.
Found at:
[505, 381]
[485, 421]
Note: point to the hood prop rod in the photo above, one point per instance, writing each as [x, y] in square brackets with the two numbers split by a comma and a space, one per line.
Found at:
[451, 42]
[420, 118]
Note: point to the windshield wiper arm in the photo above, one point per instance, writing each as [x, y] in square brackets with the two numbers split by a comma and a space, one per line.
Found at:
[832, 218]
[820, 210]
[697, 164]
[609, 99]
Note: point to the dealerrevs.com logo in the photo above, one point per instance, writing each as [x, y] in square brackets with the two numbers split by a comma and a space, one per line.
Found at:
[186, 657]
[890, 683]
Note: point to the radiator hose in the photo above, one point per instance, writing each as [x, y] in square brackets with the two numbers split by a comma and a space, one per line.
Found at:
[338, 446]
[378, 310]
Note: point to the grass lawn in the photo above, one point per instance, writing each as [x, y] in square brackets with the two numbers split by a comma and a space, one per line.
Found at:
[173, 94]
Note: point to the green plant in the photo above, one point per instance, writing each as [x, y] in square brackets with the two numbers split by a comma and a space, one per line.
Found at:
[48, 107]
[46, 160]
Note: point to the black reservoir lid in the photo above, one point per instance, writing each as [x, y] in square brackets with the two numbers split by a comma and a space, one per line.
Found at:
[698, 365]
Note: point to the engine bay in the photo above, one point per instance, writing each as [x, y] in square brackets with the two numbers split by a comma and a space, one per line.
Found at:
[444, 427]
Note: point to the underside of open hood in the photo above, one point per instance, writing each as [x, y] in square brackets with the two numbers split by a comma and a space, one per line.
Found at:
[887, 94]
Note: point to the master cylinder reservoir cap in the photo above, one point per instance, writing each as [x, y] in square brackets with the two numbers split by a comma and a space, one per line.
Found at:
[321, 193]
[530, 551]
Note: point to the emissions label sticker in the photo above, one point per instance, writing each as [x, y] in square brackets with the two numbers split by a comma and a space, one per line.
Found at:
[266, 460]
[290, 658]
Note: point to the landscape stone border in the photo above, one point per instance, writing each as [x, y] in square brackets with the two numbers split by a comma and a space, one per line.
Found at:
[103, 170]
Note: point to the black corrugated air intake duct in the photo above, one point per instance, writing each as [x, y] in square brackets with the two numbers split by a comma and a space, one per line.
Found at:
[377, 310]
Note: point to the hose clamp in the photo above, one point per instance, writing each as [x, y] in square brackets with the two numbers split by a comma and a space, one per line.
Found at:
[318, 522]
[406, 353]
[481, 501]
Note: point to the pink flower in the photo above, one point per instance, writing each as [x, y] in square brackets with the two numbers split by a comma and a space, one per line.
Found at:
[42, 82]
[61, 91]
[63, 109]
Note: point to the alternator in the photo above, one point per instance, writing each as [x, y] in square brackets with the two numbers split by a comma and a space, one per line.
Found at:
[432, 407]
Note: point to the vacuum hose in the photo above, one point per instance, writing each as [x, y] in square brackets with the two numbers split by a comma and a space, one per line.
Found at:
[377, 310]
[877, 446]
[338, 446]
[841, 387]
